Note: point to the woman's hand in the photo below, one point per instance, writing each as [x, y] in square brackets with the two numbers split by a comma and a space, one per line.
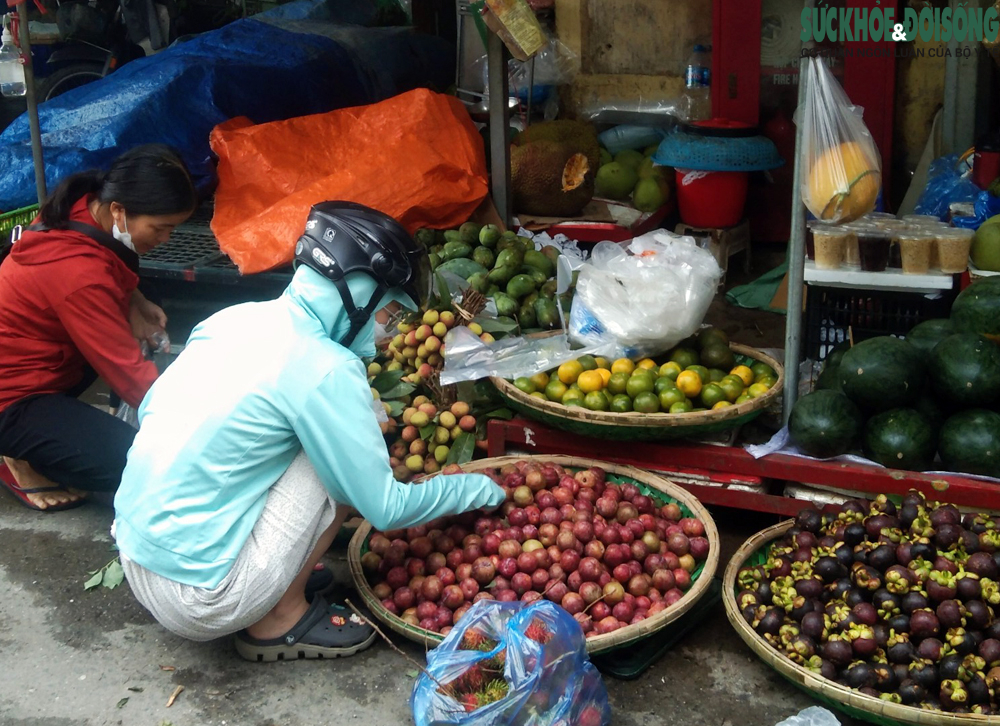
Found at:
[147, 319]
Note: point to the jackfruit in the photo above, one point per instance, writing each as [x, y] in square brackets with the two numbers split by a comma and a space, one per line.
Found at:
[550, 178]
[579, 133]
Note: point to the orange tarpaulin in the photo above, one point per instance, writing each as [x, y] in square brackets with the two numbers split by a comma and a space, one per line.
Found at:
[416, 157]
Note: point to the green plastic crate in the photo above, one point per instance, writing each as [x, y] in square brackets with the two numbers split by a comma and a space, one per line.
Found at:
[9, 220]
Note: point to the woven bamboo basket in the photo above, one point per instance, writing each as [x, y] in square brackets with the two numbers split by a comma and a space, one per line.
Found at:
[659, 489]
[851, 702]
[645, 426]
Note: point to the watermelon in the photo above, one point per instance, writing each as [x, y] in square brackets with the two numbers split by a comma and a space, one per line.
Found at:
[882, 373]
[900, 439]
[927, 407]
[965, 371]
[970, 442]
[924, 336]
[824, 424]
[977, 309]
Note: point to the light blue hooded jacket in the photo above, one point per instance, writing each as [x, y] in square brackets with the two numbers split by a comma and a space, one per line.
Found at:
[255, 384]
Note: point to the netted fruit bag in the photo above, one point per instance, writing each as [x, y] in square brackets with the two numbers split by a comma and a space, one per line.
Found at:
[511, 664]
[841, 171]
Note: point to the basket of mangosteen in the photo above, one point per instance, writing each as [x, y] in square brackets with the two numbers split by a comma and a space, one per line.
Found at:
[703, 385]
[885, 613]
[624, 551]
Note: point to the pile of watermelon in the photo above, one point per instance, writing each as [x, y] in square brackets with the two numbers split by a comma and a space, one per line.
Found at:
[929, 401]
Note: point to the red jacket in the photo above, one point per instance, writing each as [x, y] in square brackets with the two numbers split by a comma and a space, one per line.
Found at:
[64, 303]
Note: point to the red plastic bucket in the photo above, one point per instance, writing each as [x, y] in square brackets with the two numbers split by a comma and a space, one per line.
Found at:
[711, 198]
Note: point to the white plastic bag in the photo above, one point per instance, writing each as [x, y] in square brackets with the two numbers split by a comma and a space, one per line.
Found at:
[643, 300]
[841, 171]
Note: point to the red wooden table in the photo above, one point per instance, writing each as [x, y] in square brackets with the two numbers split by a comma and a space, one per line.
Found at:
[724, 465]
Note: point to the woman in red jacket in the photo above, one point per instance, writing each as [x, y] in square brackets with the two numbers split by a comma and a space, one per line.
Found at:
[70, 311]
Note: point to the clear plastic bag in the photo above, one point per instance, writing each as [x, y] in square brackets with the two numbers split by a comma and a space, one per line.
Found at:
[550, 683]
[644, 299]
[841, 171]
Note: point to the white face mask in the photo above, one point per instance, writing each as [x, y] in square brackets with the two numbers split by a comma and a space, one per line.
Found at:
[124, 237]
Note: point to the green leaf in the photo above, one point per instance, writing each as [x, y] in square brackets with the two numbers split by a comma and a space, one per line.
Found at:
[495, 325]
[444, 294]
[122, 702]
[427, 432]
[386, 381]
[94, 581]
[502, 413]
[399, 390]
[411, 674]
[462, 449]
[113, 575]
[396, 408]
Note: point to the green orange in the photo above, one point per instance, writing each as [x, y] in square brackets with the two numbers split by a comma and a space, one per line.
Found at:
[555, 390]
[638, 384]
[618, 382]
[684, 357]
[595, 401]
[621, 403]
[669, 397]
[646, 402]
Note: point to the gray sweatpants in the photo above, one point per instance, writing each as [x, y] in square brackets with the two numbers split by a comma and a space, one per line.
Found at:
[297, 512]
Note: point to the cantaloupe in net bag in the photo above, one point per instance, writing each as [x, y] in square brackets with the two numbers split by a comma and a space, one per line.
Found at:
[841, 172]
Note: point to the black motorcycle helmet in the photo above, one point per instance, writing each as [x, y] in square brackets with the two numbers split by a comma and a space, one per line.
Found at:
[343, 237]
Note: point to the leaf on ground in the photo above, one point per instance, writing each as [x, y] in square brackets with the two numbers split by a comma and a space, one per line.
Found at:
[135, 689]
[462, 450]
[113, 575]
[94, 581]
[122, 702]
[411, 674]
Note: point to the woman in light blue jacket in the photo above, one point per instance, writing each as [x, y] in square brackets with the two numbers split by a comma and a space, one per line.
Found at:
[259, 440]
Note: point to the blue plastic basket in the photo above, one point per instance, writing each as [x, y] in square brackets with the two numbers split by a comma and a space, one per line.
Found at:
[708, 150]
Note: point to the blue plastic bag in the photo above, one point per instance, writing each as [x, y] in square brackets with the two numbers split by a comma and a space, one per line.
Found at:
[539, 653]
[948, 183]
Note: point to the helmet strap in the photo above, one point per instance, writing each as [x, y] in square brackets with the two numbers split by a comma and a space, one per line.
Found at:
[357, 316]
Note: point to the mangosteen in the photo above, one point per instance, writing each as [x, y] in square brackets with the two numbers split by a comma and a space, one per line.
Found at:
[968, 520]
[951, 614]
[924, 624]
[877, 522]
[996, 557]
[885, 602]
[969, 541]
[899, 580]
[854, 534]
[829, 569]
[951, 667]
[828, 670]
[953, 694]
[989, 541]
[840, 588]
[982, 564]
[862, 641]
[930, 649]
[904, 553]
[881, 631]
[900, 623]
[838, 652]
[809, 520]
[805, 539]
[990, 591]
[827, 542]
[860, 675]
[924, 673]
[770, 622]
[780, 567]
[902, 671]
[749, 614]
[899, 649]
[982, 709]
[967, 586]
[972, 663]
[907, 513]
[749, 578]
[923, 550]
[911, 692]
[883, 505]
[866, 577]
[961, 642]
[855, 506]
[869, 691]
[800, 608]
[945, 514]
[989, 651]
[912, 601]
[941, 586]
[861, 554]
[865, 613]
[747, 599]
[764, 593]
[882, 557]
[802, 645]
[854, 597]
[944, 564]
[813, 624]
[993, 630]
[979, 692]
[844, 554]
[885, 677]
[810, 588]
[914, 497]
[947, 536]
[978, 614]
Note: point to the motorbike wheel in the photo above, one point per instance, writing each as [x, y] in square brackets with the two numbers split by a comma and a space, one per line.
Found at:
[68, 78]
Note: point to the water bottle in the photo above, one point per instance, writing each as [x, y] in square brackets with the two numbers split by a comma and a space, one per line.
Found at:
[697, 82]
[11, 67]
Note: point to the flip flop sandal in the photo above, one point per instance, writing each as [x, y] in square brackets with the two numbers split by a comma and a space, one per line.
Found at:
[320, 582]
[325, 631]
[8, 481]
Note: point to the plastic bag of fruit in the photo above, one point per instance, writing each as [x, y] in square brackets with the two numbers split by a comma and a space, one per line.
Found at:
[641, 300]
[842, 174]
[511, 664]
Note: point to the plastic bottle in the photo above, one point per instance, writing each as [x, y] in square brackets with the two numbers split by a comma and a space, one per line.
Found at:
[697, 81]
[11, 67]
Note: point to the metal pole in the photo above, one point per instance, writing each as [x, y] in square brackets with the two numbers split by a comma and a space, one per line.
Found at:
[29, 82]
[796, 267]
[496, 54]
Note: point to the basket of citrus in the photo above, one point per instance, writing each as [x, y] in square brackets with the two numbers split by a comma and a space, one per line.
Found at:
[704, 385]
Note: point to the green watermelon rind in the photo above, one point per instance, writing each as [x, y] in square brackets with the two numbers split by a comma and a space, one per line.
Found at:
[924, 336]
[970, 442]
[900, 439]
[882, 373]
[977, 309]
[965, 371]
[825, 439]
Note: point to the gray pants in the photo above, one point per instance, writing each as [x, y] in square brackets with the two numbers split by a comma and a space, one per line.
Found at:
[297, 512]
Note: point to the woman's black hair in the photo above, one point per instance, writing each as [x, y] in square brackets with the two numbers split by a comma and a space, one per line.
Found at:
[148, 180]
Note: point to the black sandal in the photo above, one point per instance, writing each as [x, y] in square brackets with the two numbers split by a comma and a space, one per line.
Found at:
[320, 582]
[325, 631]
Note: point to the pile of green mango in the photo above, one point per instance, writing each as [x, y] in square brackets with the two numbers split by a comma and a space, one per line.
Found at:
[503, 266]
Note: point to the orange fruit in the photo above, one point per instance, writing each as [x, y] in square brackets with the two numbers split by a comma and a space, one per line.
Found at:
[647, 363]
[590, 381]
[622, 365]
[569, 371]
[605, 375]
[744, 373]
[690, 383]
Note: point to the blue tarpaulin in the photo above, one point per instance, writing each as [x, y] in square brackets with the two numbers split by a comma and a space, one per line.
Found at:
[299, 59]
